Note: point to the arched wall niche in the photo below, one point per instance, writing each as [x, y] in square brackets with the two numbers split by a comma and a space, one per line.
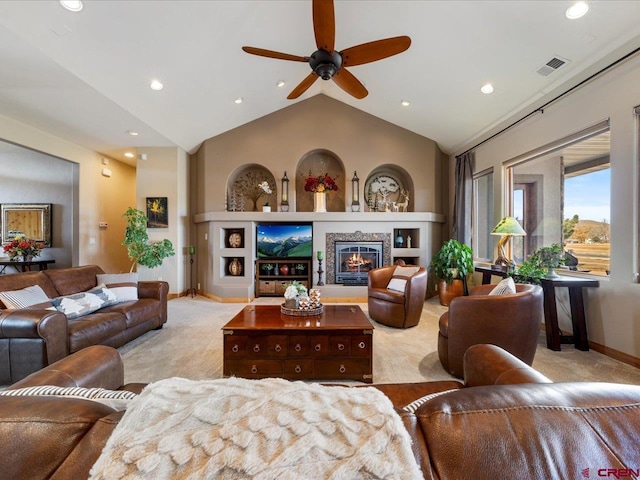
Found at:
[244, 192]
[384, 186]
[315, 163]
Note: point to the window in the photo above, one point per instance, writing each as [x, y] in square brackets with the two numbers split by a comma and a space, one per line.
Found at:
[562, 194]
[482, 241]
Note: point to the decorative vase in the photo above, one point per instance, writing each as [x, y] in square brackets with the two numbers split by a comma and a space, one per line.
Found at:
[266, 208]
[235, 267]
[319, 201]
[284, 269]
[27, 258]
[291, 302]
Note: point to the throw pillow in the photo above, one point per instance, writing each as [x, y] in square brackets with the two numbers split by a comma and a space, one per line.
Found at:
[397, 284]
[405, 271]
[505, 287]
[413, 406]
[123, 285]
[23, 298]
[78, 304]
[116, 399]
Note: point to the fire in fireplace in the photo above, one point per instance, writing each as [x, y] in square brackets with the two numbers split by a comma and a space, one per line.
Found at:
[355, 259]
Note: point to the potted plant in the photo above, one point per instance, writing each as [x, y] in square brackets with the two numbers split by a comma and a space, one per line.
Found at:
[539, 265]
[139, 248]
[451, 265]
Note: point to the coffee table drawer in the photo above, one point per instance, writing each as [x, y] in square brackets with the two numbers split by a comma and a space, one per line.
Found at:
[319, 345]
[252, 368]
[300, 366]
[235, 345]
[277, 345]
[361, 345]
[298, 345]
[342, 368]
[256, 346]
[340, 345]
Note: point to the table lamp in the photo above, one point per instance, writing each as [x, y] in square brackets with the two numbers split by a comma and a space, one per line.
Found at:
[506, 228]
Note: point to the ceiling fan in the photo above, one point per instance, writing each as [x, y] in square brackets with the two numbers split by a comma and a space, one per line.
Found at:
[328, 63]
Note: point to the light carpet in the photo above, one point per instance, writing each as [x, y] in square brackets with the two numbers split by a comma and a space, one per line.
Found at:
[190, 346]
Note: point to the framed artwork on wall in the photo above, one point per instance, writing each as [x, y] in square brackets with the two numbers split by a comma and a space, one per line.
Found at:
[157, 212]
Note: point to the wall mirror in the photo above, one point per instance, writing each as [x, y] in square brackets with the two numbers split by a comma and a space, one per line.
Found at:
[30, 220]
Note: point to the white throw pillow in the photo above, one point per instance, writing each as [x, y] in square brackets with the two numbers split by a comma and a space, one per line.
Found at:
[397, 284]
[405, 271]
[116, 399]
[505, 287]
[123, 285]
[14, 299]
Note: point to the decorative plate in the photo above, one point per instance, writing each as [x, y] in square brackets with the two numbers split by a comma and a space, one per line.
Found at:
[235, 240]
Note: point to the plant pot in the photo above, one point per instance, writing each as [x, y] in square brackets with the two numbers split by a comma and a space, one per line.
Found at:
[449, 291]
[291, 302]
[551, 273]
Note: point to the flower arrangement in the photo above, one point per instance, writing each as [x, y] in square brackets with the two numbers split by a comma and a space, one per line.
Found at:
[264, 185]
[295, 289]
[321, 183]
[23, 247]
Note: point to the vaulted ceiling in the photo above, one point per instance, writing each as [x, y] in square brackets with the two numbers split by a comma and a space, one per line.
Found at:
[85, 76]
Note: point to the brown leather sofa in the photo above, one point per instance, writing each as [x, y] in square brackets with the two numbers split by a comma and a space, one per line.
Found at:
[32, 338]
[506, 421]
[401, 309]
[510, 321]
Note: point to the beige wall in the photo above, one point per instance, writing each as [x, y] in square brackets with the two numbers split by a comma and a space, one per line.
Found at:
[613, 309]
[100, 199]
[279, 140]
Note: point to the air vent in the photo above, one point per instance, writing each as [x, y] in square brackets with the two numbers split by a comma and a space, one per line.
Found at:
[552, 65]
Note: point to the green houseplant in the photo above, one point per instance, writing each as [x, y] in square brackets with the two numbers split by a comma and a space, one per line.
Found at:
[139, 248]
[539, 265]
[451, 265]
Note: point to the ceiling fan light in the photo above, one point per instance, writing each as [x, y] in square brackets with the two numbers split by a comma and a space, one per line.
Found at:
[577, 10]
[487, 88]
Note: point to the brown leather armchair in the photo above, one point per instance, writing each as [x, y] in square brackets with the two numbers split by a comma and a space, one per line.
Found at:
[401, 309]
[509, 321]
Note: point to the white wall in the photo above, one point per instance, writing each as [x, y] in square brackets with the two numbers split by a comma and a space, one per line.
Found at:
[613, 310]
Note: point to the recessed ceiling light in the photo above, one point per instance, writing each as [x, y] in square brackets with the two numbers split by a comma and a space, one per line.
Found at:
[577, 10]
[156, 85]
[281, 83]
[129, 155]
[405, 103]
[487, 88]
[72, 5]
[132, 133]
[238, 100]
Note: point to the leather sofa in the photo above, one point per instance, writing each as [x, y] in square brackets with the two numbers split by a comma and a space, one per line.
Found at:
[32, 338]
[505, 421]
[510, 321]
[396, 308]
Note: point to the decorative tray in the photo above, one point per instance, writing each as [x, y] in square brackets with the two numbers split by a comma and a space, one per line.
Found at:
[301, 313]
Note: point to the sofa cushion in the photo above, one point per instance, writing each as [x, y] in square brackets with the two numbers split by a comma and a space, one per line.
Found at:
[402, 271]
[136, 312]
[73, 280]
[505, 287]
[397, 284]
[25, 297]
[99, 328]
[123, 285]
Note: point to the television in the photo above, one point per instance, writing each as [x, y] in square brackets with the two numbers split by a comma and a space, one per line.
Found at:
[284, 240]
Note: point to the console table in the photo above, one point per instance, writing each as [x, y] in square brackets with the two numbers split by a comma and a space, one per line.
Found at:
[575, 285]
[21, 266]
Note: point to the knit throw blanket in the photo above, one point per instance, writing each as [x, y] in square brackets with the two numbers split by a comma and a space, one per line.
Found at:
[257, 429]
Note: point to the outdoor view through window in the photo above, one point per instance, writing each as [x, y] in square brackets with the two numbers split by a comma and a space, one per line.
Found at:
[564, 197]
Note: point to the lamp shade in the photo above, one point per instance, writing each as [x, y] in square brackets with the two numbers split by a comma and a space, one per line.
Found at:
[508, 226]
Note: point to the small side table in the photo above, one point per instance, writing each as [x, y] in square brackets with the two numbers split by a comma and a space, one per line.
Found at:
[490, 270]
[575, 285]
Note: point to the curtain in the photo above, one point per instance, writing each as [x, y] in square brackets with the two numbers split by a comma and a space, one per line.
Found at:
[463, 197]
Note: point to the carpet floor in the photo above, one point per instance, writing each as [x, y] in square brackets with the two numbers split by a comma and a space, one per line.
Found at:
[190, 346]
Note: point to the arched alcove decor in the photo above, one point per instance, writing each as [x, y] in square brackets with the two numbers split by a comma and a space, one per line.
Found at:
[388, 186]
[244, 192]
[315, 163]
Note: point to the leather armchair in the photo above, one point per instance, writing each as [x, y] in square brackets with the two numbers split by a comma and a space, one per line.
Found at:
[509, 321]
[395, 308]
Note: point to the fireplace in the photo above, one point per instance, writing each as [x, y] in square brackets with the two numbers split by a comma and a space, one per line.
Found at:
[353, 260]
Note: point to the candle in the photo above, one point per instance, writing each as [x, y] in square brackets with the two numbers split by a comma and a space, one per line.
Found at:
[319, 254]
[192, 250]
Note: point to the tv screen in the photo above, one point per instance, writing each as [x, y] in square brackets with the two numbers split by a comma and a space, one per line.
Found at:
[284, 240]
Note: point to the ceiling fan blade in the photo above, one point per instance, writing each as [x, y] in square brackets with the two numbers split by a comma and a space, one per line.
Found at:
[303, 86]
[271, 54]
[324, 24]
[350, 84]
[372, 51]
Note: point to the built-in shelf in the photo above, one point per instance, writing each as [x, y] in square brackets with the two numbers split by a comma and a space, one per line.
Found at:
[273, 276]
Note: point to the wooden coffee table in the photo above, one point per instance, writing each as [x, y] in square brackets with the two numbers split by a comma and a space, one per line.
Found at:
[260, 342]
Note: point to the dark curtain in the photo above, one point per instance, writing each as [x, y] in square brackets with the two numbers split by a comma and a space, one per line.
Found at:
[463, 198]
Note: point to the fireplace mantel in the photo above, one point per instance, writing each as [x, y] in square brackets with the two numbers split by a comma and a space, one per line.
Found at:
[213, 228]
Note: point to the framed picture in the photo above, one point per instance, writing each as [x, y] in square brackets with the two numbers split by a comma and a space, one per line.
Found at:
[157, 212]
